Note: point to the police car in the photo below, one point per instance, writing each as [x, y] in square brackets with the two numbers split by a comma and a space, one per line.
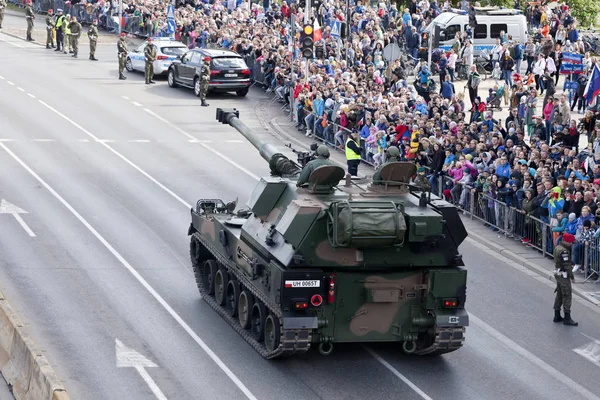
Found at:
[167, 51]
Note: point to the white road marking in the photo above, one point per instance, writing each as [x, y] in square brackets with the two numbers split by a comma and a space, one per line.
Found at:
[134, 272]
[13, 44]
[200, 141]
[44, 140]
[234, 141]
[127, 357]
[21, 89]
[1, 77]
[9, 208]
[7, 140]
[221, 155]
[105, 140]
[83, 140]
[10, 83]
[135, 103]
[398, 374]
[139, 141]
[529, 356]
[30, 95]
[125, 97]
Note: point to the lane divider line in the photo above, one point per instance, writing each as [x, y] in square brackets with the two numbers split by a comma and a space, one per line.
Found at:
[21, 89]
[10, 83]
[30, 95]
[135, 274]
[135, 103]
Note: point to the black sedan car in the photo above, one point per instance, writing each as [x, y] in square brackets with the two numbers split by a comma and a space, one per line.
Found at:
[228, 71]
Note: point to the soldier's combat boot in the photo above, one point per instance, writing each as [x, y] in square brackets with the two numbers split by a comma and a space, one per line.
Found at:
[93, 58]
[204, 103]
[568, 320]
[48, 46]
[122, 77]
[557, 316]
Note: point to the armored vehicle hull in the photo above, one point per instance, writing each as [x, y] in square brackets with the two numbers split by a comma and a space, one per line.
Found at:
[332, 263]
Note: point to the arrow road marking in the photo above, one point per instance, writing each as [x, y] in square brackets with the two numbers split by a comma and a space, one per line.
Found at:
[591, 351]
[129, 358]
[9, 208]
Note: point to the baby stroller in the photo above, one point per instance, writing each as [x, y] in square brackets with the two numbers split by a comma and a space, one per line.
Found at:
[484, 63]
[494, 99]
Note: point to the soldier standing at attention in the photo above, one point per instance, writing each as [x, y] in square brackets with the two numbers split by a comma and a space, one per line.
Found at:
[59, 24]
[68, 41]
[75, 28]
[122, 54]
[2, 7]
[564, 276]
[29, 16]
[393, 155]
[50, 24]
[322, 159]
[149, 57]
[93, 35]
[353, 153]
[204, 80]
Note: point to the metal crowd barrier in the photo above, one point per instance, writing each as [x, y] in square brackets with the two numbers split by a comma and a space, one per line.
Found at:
[515, 223]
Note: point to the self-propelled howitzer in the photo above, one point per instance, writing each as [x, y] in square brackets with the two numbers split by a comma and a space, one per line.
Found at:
[332, 262]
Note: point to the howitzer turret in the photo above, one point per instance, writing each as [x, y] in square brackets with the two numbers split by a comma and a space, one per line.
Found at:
[359, 262]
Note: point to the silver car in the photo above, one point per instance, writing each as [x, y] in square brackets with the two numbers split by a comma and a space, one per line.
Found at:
[167, 50]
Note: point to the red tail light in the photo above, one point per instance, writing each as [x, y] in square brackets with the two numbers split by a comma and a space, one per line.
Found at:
[331, 293]
[316, 300]
[214, 72]
[245, 72]
[450, 303]
[162, 57]
[301, 305]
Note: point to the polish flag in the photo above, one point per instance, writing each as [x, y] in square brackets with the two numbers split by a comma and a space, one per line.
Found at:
[317, 34]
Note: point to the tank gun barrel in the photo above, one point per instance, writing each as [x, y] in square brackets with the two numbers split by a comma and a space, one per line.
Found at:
[280, 165]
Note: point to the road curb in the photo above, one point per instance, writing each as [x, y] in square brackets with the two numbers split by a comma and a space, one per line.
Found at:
[22, 363]
[21, 37]
[530, 265]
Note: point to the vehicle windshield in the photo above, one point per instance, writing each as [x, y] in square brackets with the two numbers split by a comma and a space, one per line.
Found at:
[173, 51]
[228, 62]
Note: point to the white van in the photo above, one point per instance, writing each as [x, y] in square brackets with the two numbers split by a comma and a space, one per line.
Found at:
[490, 22]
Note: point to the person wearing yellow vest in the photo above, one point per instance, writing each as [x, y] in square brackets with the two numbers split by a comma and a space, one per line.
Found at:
[60, 25]
[353, 153]
[67, 36]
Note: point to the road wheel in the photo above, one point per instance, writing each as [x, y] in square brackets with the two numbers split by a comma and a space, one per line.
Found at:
[242, 92]
[232, 295]
[208, 278]
[272, 332]
[245, 304]
[220, 286]
[171, 79]
[257, 322]
[197, 87]
[129, 65]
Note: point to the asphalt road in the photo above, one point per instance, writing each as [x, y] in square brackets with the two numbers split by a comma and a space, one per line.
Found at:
[107, 171]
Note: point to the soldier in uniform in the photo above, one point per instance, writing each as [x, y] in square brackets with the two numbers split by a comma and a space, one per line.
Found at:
[60, 23]
[204, 80]
[122, 54]
[93, 36]
[564, 276]
[68, 41]
[421, 180]
[29, 16]
[322, 159]
[149, 57]
[393, 155]
[50, 24]
[75, 28]
[3, 5]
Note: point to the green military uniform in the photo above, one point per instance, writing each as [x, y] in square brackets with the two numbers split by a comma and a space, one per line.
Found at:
[29, 16]
[149, 57]
[204, 80]
[323, 159]
[564, 276]
[393, 156]
[421, 180]
[3, 5]
[60, 24]
[93, 36]
[75, 28]
[68, 41]
[50, 24]
[122, 54]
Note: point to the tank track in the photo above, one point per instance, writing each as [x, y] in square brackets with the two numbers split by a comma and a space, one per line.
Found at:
[446, 340]
[291, 341]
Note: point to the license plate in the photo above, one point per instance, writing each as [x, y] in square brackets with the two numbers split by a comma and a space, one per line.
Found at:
[230, 75]
[302, 284]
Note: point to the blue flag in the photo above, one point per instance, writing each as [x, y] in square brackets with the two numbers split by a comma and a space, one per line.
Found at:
[592, 89]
